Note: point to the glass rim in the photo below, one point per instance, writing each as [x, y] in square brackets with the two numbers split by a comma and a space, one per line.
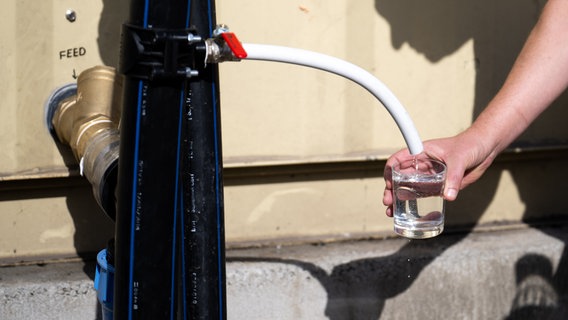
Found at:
[395, 167]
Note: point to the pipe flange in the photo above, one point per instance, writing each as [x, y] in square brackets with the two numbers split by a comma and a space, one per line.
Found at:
[53, 101]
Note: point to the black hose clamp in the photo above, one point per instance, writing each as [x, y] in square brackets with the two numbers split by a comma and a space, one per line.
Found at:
[152, 54]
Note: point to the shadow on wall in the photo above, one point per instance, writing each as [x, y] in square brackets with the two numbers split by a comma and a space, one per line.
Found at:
[436, 29]
[537, 297]
[93, 229]
[358, 289]
[113, 16]
[498, 29]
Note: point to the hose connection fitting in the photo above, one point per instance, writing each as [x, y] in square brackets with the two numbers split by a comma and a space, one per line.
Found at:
[88, 122]
[224, 46]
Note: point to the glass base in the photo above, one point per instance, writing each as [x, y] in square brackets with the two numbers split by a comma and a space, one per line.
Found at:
[419, 233]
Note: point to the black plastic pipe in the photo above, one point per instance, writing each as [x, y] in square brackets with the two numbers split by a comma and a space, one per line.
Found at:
[169, 243]
[203, 185]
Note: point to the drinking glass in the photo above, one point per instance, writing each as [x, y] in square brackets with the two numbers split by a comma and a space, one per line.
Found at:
[418, 184]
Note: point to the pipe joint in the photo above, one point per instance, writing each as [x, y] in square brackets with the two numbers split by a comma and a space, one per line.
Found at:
[88, 122]
[224, 46]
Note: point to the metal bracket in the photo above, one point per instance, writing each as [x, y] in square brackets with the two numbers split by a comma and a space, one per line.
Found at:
[161, 54]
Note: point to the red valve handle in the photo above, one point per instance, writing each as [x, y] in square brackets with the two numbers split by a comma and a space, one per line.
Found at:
[234, 44]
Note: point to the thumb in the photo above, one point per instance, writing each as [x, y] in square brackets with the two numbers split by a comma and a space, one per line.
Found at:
[454, 177]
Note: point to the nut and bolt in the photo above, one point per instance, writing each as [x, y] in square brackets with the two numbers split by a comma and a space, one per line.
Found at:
[191, 73]
[191, 38]
[219, 29]
[71, 15]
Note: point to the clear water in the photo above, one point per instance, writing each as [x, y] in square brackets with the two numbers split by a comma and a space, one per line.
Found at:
[418, 206]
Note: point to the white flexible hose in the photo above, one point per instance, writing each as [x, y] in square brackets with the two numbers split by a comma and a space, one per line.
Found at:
[349, 71]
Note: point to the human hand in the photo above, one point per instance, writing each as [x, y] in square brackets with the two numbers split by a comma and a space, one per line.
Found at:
[465, 156]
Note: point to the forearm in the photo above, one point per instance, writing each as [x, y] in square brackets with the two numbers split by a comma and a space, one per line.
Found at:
[539, 76]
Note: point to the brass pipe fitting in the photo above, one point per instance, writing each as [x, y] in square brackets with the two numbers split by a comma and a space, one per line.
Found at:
[93, 109]
[89, 123]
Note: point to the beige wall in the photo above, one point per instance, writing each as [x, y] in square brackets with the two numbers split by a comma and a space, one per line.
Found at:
[303, 149]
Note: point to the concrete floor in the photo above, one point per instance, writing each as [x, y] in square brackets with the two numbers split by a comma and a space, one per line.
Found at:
[515, 274]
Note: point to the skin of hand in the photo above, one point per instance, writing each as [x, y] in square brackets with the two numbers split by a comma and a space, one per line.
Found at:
[466, 161]
[539, 76]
